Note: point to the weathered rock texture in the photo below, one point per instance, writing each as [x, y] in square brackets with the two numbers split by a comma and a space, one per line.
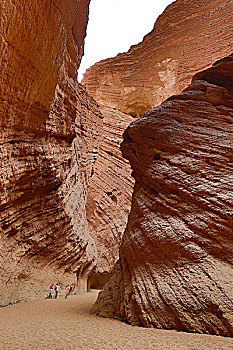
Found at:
[188, 37]
[109, 195]
[176, 259]
[49, 143]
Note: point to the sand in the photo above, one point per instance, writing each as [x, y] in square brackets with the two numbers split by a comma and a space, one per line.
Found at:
[67, 324]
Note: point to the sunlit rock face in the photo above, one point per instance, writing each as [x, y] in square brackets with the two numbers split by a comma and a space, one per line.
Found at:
[176, 258]
[109, 195]
[49, 143]
[188, 37]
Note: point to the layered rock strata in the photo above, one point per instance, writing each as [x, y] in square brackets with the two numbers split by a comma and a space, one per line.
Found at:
[187, 38]
[109, 195]
[176, 258]
[49, 143]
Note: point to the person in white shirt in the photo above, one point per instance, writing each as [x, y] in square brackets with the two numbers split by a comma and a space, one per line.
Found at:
[57, 289]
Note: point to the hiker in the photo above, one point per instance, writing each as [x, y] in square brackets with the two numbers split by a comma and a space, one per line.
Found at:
[51, 291]
[57, 289]
[67, 291]
[71, 288]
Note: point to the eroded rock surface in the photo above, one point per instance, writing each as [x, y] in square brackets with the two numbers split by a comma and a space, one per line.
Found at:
[176, 259]
[49, 143]
[109, 195]
[188, 37]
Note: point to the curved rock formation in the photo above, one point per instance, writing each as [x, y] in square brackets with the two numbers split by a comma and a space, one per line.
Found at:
[188, 37]
[49, 143]
[109, 195]
[176, 258]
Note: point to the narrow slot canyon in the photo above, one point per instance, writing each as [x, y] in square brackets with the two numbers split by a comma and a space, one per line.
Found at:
[118, 186]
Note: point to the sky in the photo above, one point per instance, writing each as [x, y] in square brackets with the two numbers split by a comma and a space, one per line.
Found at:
[115, 25]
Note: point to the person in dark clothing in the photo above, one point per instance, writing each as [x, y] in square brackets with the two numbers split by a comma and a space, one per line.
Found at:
[67, 291]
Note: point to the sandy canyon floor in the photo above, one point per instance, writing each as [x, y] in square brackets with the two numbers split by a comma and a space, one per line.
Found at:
[67, 324]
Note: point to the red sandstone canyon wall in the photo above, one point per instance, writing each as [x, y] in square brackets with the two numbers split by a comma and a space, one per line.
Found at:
[135, 81]
[65, 188]
[109, 195]
[49, 143]
[176, 268]
[188, 37]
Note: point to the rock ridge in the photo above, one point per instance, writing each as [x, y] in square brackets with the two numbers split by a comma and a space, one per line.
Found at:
[175, 269]
[188, 37]
[50, 130]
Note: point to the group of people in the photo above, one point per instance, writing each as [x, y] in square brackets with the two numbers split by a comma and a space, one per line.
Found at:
[56, 289]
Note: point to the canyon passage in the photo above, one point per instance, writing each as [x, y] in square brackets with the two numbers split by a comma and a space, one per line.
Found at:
[123, 182]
